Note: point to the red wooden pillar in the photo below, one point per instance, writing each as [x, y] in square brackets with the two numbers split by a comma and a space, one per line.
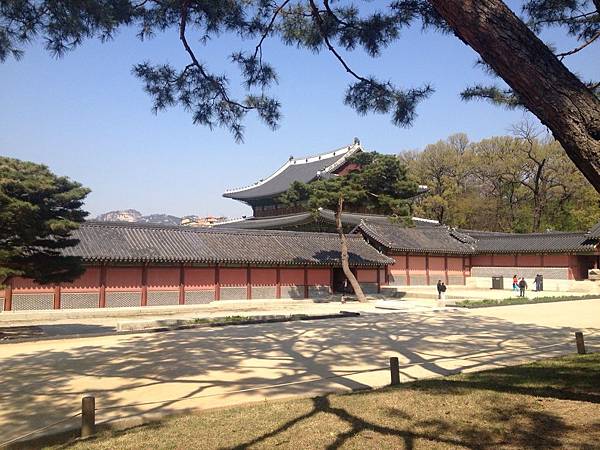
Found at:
[446, 268]
[305, 282]
[427, 269]
[542, 260]
[181, 284]
[8, 295]
[57, 296]
[145, 285]
[378, 279]
[515, 260]
[248, 283]
[102, 298]
[217, 283]
[407, 270]
[278, 282]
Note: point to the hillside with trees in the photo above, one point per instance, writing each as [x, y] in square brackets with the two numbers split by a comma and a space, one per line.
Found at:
[519, 183]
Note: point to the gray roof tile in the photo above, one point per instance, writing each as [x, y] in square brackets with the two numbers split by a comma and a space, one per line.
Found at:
[429, 239]
[549, 242]
[124, 242]
[299, 169]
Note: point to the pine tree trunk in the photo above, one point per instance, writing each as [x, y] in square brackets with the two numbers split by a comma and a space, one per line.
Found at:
[546, 87]
[344, 246]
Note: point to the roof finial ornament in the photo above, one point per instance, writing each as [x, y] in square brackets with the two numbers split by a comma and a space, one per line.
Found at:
[291, 157]
[356, 141]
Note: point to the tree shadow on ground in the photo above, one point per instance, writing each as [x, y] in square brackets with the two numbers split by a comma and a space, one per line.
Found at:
[43, 382]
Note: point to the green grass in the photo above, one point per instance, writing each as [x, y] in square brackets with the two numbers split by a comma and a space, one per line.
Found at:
[522, 300]
[554, 403]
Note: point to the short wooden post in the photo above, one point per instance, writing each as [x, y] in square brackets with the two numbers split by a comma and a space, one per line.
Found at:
[580, 342]
[395, 371]
[88, 416]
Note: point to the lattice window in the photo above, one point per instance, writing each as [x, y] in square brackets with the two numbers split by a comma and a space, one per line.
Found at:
[418, 280]
[199, 297]
[79, 300]
[158, 298]
[456, 280]
[32, 302]
[264, 292]
[397, 279]
[293, 292]
[123, 299]
[233, 293]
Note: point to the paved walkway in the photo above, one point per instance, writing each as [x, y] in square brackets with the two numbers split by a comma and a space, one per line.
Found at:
[138, 374]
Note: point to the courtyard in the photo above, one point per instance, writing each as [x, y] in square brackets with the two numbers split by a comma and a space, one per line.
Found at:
[144, 375]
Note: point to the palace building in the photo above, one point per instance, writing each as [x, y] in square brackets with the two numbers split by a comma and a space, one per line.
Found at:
[271, 214]
[286, 252]
[137, 265]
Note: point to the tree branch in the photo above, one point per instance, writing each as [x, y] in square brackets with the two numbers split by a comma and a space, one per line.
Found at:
[581, 47]
[319, 21]
[195, 63]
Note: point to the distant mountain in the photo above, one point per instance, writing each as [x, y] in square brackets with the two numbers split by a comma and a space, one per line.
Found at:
[162, 219]
[132, 215]
[126, 215]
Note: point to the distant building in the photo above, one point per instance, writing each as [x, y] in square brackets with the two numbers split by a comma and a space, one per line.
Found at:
[268, 213]
[197, 221]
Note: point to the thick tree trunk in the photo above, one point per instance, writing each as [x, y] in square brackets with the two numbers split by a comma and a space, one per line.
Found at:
[547, 88]
[344, 246]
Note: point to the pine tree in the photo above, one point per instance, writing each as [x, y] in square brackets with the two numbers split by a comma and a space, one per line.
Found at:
[508, 46]
[378, 185]
[38, 212]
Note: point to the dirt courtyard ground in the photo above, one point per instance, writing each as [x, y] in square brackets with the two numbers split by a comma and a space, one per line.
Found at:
[137, 374]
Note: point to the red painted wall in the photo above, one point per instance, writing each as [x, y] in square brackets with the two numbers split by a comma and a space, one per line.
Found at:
[89, 281]
[27, 285]
[264, 277]
[417, 264]
[123, 278]
[199, 277]
[481, 260]
[366, 275]
[230, 276]
[163, 278]
[556, 260]
[319, 277]
[529, 261]
[291, 277]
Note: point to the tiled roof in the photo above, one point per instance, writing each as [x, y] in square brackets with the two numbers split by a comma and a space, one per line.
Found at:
[431, 239]
[595, 231]
[348, 219]
[549, 242]
[122, 242]
[299, 169]
[442, 239]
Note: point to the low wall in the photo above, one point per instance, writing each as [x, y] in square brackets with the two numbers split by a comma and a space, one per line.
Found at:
[555, 278]
[146, 286]
[423, 270]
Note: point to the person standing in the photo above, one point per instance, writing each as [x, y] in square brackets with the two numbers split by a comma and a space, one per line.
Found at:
[515, 283]
[439, 289]
[443, 291]
[538, 282]
[522, 287]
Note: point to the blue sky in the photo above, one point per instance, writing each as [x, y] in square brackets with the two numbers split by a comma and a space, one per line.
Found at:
[86, 116]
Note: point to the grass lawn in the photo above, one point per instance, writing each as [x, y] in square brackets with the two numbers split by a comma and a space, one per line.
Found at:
[522, 300]
[549, 404]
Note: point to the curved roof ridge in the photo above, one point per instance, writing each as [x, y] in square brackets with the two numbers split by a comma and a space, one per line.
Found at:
[352, 148]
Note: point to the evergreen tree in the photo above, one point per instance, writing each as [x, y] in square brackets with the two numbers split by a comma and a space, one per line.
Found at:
[38, 212]
[379, 185]
[508, 46]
